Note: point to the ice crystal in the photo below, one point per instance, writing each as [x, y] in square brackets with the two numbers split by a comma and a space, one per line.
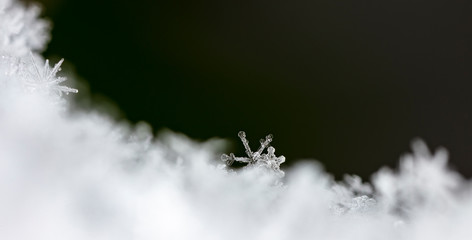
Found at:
[83, 176]
[22, 32]
[44, 80]
[258, 158]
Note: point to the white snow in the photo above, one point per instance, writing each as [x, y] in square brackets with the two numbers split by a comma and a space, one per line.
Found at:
[73, 174]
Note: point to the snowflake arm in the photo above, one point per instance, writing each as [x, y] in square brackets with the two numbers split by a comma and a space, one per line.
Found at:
[264, 144]
[242, 135]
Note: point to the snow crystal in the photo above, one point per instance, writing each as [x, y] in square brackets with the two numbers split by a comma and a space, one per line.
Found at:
[44, 79]
[268, 160]
[77, 175]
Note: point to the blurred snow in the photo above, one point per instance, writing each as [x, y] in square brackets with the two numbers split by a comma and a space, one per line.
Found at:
[75, 174]
[21, 31]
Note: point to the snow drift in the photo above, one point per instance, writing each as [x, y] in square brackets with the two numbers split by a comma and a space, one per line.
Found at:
[78, 174]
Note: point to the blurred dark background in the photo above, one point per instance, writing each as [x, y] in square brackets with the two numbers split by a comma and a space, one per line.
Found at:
[347, 82]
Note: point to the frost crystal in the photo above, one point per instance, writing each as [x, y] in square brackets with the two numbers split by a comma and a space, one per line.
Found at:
[44, 79]
[258, 158]
[84, 176]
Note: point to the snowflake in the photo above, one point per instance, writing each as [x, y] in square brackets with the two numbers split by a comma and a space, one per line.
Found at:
[258, 158]
[357, 205]
[44, 79]
[21, 29]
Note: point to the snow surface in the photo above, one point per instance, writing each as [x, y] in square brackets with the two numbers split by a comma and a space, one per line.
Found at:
[75, 174]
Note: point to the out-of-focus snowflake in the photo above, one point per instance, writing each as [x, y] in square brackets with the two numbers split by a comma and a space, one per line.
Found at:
[258, 158]
[21, 29]
[423, 182]
[352, 196]
[44, 79]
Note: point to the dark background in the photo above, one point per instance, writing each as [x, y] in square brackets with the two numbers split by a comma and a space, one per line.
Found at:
[349, 83]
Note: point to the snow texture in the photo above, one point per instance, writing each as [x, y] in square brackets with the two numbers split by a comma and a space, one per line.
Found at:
[21, 31]
[75, 174]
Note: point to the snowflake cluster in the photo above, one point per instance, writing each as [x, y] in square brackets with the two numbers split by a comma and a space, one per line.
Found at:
[28, 76]
[21, 29]
[257, 158]
[23, 33]
[84, 176]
